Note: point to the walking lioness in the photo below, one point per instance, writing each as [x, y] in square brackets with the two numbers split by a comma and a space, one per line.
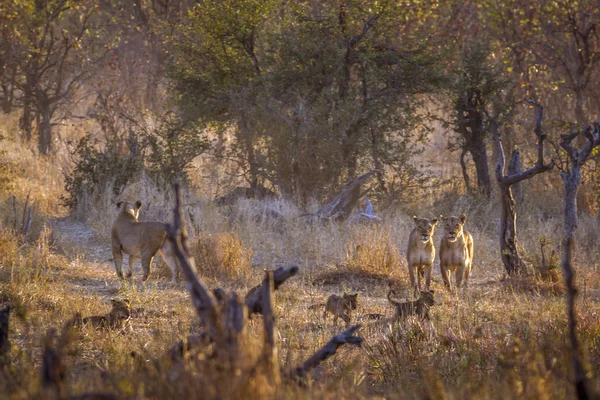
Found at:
[421, 253]
[139, 240]
[456, 251]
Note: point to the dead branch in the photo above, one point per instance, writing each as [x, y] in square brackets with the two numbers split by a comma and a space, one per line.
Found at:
[346, 337]
[572, 179]
[255, 297]
[340, 208]
[4, 342]
[269, 349]
[202, 299]
[25, 207]
[508, 217]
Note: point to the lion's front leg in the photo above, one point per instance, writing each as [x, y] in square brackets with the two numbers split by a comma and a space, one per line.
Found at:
[118, 258]
[460, 274]
[412, 271]
[446, 276]
[428, 269]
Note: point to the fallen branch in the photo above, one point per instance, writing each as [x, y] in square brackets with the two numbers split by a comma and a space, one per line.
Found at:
[346, 337]
[341, 207]
[4, 342]
[254, 298]
[269, 349]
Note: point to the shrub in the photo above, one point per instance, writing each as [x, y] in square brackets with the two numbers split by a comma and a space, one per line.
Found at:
[222, 255]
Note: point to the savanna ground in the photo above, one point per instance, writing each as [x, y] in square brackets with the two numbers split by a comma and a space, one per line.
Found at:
[497, 339]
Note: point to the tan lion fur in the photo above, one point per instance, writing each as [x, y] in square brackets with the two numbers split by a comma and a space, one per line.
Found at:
[139, 240]
[456, 251]
[419, 307]
[341, 307]
[420, 253]
[116, 318]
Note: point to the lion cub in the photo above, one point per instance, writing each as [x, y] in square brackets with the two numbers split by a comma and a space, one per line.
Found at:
[116, 318]
[419, 307]
[420, 253]
[341, 307]
[456, 251]
[139, 240]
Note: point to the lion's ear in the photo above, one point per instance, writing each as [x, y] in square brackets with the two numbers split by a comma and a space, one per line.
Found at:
[462, 218]
[119, 204]
[444, 219]
[415, 219]
[138, 204]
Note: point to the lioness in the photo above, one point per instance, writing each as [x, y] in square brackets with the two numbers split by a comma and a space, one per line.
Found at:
[139, 240]
[419, 307]
[420, 252]
[116, 318]
[341, 307]
[456, 250]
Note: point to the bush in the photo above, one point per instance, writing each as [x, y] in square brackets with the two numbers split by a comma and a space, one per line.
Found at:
[162, 149]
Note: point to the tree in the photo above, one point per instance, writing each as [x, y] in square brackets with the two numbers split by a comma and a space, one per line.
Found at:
[509, 251]
[314, 93]
[476, 85]
[54, 44]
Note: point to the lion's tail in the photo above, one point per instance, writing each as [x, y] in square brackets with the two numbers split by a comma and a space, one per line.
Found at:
[389, 297]
[316, 306]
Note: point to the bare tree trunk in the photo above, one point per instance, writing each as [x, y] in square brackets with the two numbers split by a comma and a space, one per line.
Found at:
[509, 251]
[465, 172]
[514, 167]
[44, 130]
[26, 120]
[478, 152]
[572, 180]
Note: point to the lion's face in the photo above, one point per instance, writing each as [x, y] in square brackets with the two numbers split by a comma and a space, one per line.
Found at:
[130, 208]
[427, 297]
[453, 226]
[121, 309]
[351, 300]
[425, 228]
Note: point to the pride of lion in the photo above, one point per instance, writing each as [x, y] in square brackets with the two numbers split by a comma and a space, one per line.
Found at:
[142, 240]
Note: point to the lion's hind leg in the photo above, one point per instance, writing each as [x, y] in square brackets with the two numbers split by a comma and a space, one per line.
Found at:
[168, 255]
[118, 258]
[132, 261]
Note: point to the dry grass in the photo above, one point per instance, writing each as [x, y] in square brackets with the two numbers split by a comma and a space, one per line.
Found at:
[497, 339]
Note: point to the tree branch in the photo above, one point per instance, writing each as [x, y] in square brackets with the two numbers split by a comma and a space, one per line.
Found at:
[202, 299]
[346, 337]
[255, 297]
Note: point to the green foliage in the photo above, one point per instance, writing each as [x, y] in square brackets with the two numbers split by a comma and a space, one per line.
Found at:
[96, 168]
[313, 95]
[163, 152]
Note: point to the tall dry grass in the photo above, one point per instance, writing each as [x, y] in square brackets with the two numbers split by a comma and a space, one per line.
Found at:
[494, 340]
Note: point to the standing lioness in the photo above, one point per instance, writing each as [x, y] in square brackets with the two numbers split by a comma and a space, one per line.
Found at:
[139, 240]
[456, 250]
[420, 253]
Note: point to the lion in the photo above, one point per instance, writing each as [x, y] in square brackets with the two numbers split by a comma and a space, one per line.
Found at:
[140, 240]
[456, 251]
[419, 307]
[341, 307]
[116, 318]
[420, 253]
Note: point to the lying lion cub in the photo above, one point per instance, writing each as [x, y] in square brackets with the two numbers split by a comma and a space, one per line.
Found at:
[139, 240]
[341, 307]
[419, 307]
[116, 318]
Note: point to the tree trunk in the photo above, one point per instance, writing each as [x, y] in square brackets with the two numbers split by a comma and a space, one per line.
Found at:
[45, 131]
[572, 180]
[508, 233]
[26, 120]
[478, 152]
[465, 172]
[514, 167]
